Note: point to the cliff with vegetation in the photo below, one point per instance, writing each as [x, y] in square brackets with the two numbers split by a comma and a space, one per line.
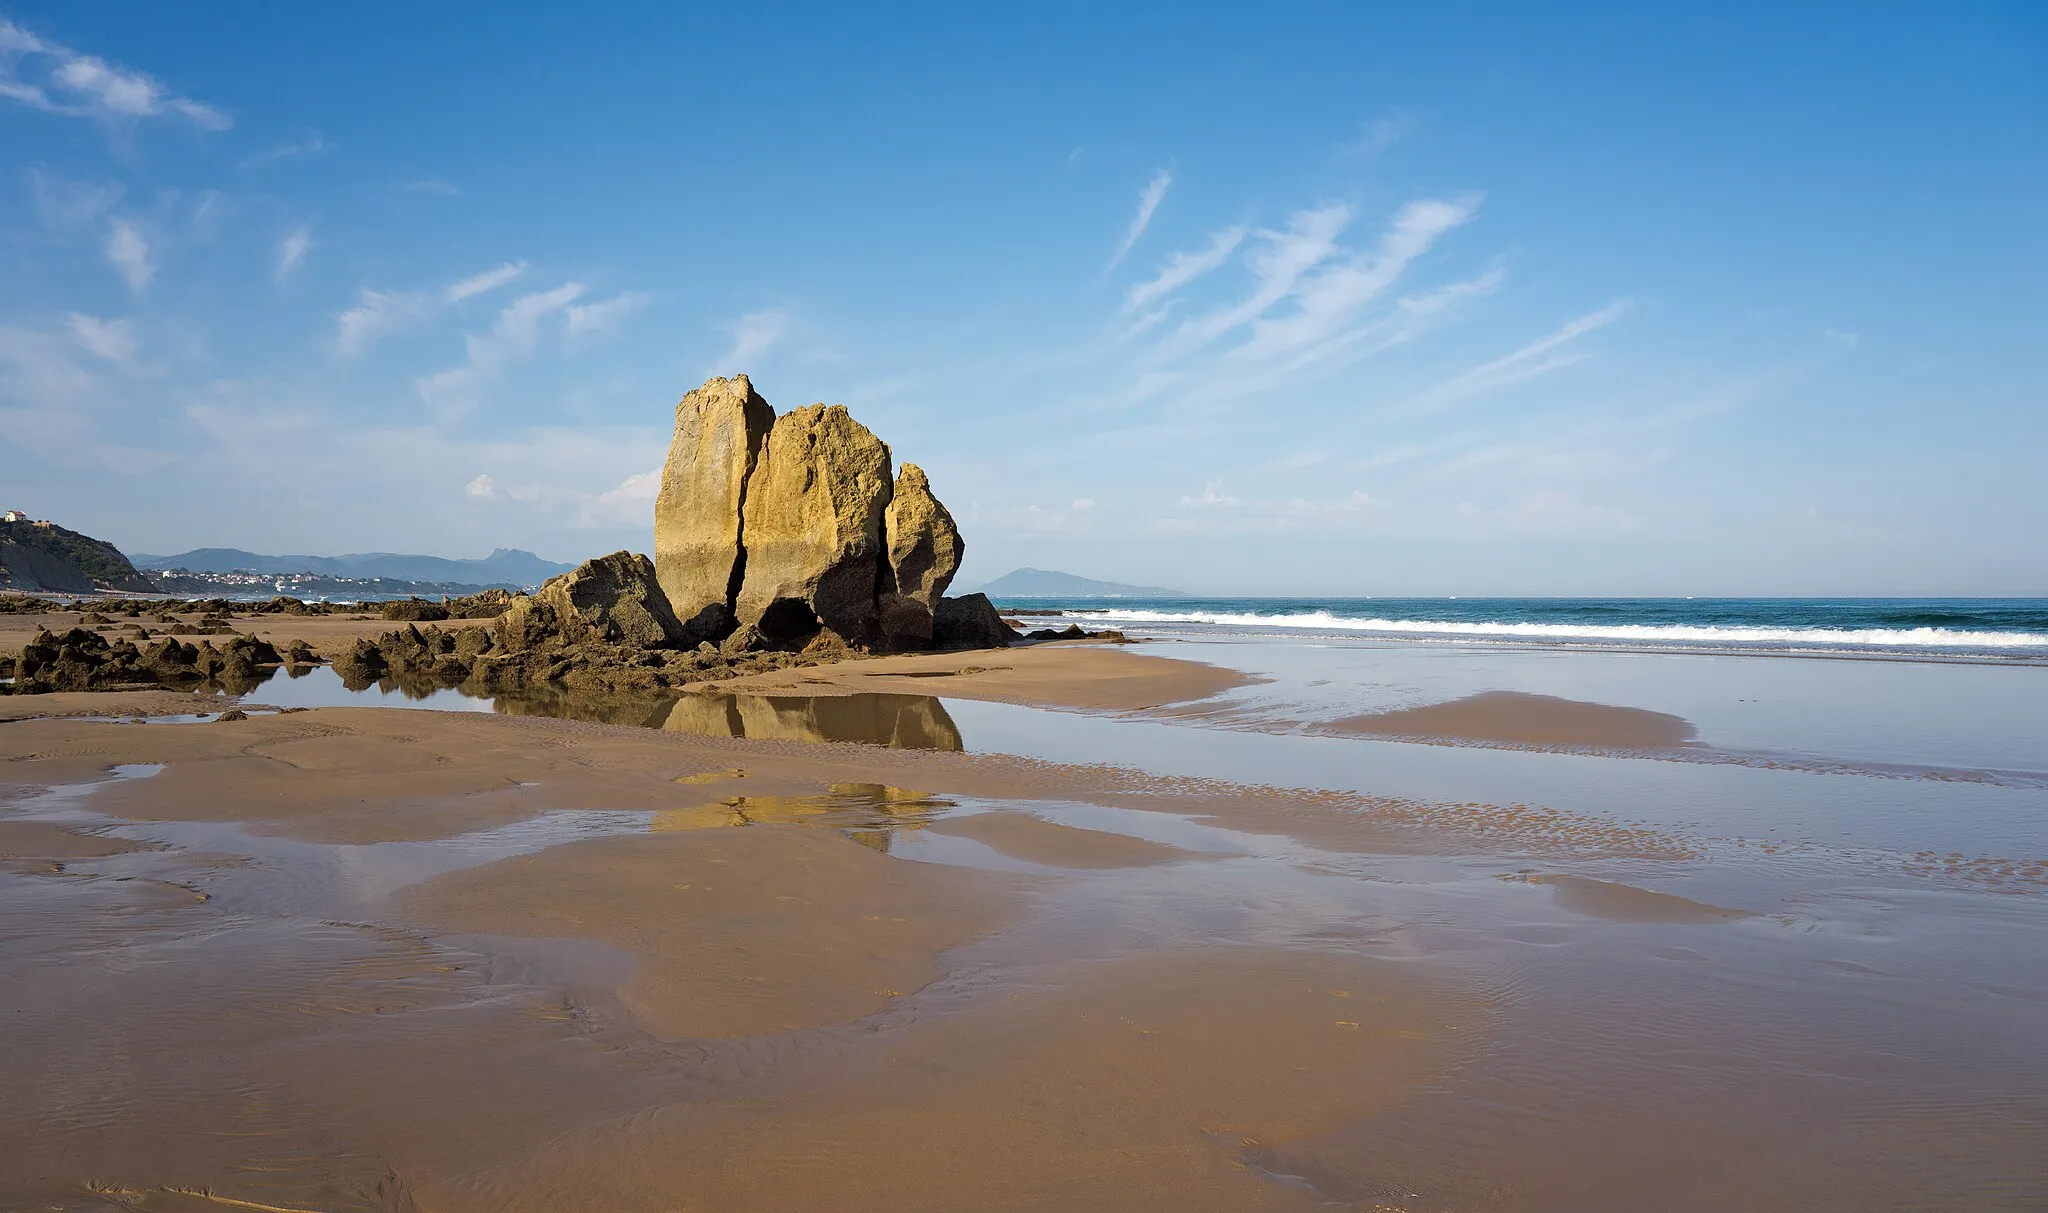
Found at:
[44, 557]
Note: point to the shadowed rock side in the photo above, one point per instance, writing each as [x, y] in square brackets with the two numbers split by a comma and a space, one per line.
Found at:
[970, 621]
[813, 528]
[697, 517]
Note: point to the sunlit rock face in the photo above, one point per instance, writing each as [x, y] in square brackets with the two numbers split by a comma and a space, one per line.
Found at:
[775, 532]
[719, 431]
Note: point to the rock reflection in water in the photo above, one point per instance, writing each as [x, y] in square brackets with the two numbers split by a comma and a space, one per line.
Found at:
[901, 722]
[869, 813]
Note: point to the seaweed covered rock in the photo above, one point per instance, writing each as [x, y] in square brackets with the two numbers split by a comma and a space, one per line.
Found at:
[83, 660]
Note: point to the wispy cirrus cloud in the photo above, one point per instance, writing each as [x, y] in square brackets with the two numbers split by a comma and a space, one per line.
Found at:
[753, 335]
[51, 77]
[1182, 268]
[1539, 357]
[291, 254]
[514, 336]
[603, 315]
[1148, 202]
[113, 340]
[291, 149]
[1330, 299]
[478, 284]
[128, 253]
[1379, 134]
[380, 314]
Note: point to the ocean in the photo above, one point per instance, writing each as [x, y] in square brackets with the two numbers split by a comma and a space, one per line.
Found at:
[2008, 628]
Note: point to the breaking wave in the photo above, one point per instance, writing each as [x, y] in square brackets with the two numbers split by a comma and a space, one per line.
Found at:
[1922, 638]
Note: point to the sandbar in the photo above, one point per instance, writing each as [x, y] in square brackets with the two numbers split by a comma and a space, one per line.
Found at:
[1519, 718]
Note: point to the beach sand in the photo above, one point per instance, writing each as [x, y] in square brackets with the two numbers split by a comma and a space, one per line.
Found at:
[358, 958]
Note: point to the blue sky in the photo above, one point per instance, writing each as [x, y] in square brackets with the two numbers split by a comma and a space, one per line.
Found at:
[1462, 299]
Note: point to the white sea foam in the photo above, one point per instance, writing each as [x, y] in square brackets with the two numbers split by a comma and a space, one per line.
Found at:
[1635, 633]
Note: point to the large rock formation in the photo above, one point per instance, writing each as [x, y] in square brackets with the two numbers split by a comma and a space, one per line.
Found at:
[697, 517]
[777, 532]
[813, 528]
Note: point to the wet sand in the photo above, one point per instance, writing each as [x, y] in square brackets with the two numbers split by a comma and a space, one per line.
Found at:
[1519, 718]
[373, 959]
[1090, 676]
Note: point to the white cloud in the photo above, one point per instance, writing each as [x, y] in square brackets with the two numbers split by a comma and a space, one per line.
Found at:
[1213, 498]
[753, 335]
[128, 253]
[1227, 515]
[1529, 362]
[1083, 504]
[639, 487]
[439, 189]
[513, 337]
[1183, 268]
[1277, 262]
[1383, 132]
[477, 284]
[605, 314]
[113, 340]
[1443, 298]
[1328, 301]
[55, 79]
[291, 253]
[69, 206]
[311, 145]
[483, 488]
[1148, 201]
[377, 314]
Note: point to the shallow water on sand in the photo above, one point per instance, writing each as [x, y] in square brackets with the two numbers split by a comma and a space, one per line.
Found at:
[1620, 1046]
[1794, 965]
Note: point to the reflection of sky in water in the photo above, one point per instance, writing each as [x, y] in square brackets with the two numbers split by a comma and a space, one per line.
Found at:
[1864, 709]
[1943, 713]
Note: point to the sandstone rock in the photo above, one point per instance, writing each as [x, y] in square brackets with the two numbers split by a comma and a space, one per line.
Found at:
[924, 544]
[924, 552]
[719, 431]
[812, 530]
[970, 622]
[614, 599]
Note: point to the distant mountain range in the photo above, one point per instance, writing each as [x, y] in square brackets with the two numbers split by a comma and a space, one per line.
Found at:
[1049, 583]
[508, 567]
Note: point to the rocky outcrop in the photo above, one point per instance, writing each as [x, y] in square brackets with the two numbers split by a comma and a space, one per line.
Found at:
[970, 622]
[697, 516]
[84, 660]
[774, 533]
[612, 600]
[813, 529]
